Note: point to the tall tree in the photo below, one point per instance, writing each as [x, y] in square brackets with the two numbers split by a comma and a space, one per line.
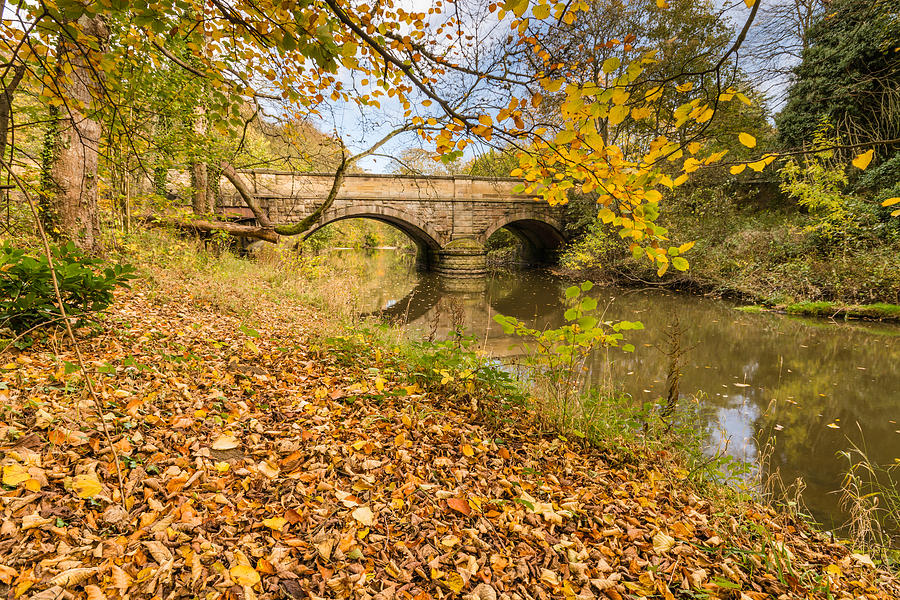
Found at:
[73, 140]
[849, 76]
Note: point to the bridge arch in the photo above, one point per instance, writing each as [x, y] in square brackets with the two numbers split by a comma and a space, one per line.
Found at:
[540, 234]
[425, 237]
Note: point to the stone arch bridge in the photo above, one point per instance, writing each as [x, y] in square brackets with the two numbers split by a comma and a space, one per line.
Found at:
[449, 218]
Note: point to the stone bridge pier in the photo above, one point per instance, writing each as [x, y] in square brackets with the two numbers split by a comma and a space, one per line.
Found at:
[449, 218]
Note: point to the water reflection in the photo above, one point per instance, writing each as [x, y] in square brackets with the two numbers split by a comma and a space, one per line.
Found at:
[757, 375]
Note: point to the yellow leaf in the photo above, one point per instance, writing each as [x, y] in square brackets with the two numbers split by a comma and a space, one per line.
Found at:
[453, 581]
[758, 166]
[610, 64]
[662, 4]
[15, 474]
[691, 165]
[749, 3]
[693, 147]
[862, 161]
[467, 450]
[552, 85]
[685, 247]
[641, 112]
[244, 575]
[618, 114]
[565, 136]
[619, 96]
[86, 486]
[680, 180]
[747, 139]
[276, 523]
[653, 94]
[541, 11]
[833, 426]
[685, 87]
[737, 169]
[706, 115]
[251, 346]
[486, 120]
[891, 201]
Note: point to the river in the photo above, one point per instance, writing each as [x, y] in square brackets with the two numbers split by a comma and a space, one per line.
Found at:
[813, 385]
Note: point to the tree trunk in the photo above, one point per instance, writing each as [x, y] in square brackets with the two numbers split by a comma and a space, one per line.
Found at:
[6, 105]
[200, 182]
[73, 142]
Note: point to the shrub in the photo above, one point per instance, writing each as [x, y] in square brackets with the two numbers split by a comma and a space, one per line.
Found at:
[27, 297]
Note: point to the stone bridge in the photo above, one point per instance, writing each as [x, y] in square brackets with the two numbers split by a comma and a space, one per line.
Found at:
[449, 218]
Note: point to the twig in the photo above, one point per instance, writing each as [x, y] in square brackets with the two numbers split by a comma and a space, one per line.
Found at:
[62, 311]
[27, 331]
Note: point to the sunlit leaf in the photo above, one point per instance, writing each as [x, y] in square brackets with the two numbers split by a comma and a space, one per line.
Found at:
[87, 485]
[747, 139]
[244, 575]
[275, 523]
[862, 161]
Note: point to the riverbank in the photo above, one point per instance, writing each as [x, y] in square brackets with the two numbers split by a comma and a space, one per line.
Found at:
[772, 256]
[628, 275]
[263, 452]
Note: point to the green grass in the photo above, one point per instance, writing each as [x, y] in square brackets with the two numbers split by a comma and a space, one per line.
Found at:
[753, 309]
[880, 310]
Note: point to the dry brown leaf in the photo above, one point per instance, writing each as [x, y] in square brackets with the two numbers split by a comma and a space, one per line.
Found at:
[94, 592]
[364, 515]
[225, 442]
[74, 577]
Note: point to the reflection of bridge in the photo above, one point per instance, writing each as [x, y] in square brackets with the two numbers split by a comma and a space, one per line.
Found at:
[514, 296]
[449, 218]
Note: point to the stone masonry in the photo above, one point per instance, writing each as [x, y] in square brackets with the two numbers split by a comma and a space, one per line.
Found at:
[449, 218]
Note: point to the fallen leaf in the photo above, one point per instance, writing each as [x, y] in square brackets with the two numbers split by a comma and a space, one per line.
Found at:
[225, 442]
[662, 543]
[15, 474]
[244, 575]
[364, 515]
[276, 523]
[73, 577]
[459, 505]
[863, 559]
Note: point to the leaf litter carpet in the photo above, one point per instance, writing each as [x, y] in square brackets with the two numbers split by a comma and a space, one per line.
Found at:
[253, 466]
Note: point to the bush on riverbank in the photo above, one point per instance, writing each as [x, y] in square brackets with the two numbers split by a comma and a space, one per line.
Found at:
[772, 255]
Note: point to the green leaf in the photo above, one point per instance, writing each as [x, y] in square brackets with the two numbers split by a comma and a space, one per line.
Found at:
[572, 292]
[680, 263]
[571, 314]
[586, 286]
[587, 322]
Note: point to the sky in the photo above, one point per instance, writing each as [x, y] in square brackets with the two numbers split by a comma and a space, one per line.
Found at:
[361, 130]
